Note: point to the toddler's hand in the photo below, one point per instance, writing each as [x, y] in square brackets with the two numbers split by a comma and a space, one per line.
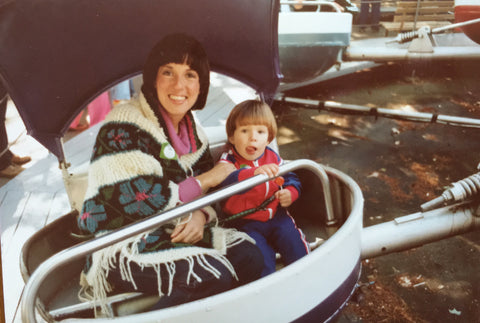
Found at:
[284, 197]
[269, 169]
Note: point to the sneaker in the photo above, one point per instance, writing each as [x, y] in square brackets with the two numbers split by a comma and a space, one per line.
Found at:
[17, 160]
[11, 171]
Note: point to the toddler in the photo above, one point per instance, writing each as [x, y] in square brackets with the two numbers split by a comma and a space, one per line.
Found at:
[251, 126]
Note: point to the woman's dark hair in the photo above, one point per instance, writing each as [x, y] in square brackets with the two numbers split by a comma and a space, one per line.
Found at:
[179, 49]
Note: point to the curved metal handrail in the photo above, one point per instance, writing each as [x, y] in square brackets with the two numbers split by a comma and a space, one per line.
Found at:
[313, 3]
[39, 275]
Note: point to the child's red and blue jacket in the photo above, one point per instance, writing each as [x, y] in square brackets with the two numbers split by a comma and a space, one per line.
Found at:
[257, 195]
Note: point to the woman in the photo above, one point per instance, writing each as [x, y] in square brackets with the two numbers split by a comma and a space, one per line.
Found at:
[150, 156]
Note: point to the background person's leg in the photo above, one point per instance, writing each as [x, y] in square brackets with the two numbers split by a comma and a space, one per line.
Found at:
[5, 154]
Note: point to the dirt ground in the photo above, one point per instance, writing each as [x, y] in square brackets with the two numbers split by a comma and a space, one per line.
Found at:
[399, 165]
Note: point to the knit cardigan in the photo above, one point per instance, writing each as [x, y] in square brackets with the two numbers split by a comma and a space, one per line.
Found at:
[134, 173]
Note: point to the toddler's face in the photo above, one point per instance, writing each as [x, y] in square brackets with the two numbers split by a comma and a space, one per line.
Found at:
[250, 141]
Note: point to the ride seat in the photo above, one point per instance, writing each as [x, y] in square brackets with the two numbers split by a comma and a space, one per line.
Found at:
[58, 295]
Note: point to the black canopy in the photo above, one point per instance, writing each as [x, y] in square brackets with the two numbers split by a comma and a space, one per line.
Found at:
[57, 55]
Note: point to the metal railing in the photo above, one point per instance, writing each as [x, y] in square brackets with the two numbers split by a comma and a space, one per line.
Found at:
[318, 3]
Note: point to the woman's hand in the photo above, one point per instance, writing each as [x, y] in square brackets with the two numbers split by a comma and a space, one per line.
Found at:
[189, 230]
[269, 169]
[215, 176]
[284, 197]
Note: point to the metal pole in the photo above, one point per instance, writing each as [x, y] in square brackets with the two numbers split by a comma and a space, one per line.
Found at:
[382, 112]
[457, 192]
[455, 25]
[33, 285]
[416, 15]
[312, 3]
[386, 54]
[2, 298]
[418, 229]
[410, 35]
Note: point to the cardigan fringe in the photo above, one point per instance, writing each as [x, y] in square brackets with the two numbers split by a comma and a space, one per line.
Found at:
[95, 286]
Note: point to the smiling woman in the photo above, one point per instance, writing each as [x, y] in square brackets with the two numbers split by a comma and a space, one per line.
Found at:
[178, 88]
[149, 157]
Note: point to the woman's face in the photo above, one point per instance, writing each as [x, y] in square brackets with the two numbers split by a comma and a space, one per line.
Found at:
[178, 87]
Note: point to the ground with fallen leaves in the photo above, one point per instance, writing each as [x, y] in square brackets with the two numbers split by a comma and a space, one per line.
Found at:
[399, 165]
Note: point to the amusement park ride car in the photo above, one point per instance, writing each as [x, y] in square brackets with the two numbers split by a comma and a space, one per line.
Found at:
[56, 56]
